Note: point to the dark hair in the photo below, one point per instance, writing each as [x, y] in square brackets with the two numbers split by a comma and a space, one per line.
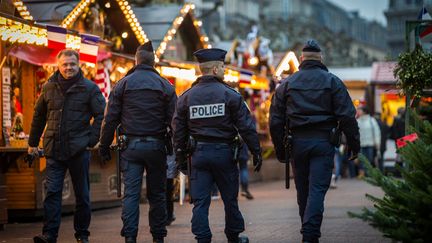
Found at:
[365, 109]
[145, 57]
[68, 52]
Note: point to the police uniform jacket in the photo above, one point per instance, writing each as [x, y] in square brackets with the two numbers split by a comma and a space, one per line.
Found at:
[312, 100]
[143, 102]
[67, 117]
[211, 111]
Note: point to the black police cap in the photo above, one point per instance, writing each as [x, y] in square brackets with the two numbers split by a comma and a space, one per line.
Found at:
[212, 54]
[145, 47]
[311, 46]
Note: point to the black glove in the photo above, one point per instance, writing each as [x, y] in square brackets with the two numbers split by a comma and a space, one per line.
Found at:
[257, 162]
[353, 148]
[104, 153]
[181, 161]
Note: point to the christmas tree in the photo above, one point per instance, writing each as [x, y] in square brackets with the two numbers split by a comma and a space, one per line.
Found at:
[405, 212]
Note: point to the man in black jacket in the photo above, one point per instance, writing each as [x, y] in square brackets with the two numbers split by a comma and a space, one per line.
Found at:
[311, 103]
[67, 103]
[143, 103]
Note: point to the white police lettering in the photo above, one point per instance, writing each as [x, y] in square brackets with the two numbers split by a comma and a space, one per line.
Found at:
[206, 111]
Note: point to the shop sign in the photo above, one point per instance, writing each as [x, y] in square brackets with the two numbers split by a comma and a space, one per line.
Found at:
[7, 120]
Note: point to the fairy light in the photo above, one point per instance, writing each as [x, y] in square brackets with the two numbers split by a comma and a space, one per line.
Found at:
[186, 9]
[22, 10]
[77, 11]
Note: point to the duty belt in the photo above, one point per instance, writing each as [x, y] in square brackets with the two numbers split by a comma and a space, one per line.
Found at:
[308, 133]
[144, 138]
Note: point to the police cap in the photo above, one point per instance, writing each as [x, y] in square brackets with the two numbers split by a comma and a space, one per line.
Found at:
[145, 47]
[311, 45]
[212, 54]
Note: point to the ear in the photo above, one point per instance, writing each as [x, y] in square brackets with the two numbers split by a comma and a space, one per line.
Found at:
[215, 70]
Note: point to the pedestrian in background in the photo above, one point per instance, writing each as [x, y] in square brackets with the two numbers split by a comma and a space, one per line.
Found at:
[172, 173]
[385, 133]
[312, 103]
[244, 172]
[67, 104]
[370, 138]
[213, 114]
[143, 103]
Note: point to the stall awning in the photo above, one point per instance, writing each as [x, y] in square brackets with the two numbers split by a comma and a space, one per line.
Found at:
[42, 55]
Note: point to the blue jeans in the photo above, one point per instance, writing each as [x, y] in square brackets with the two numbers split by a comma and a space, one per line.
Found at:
[55, 174]
[140, 156]
[312, 164]
[368, 152]
[213, 162]
[244, 175]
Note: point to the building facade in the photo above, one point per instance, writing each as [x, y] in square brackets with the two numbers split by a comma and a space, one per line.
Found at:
[398, 12]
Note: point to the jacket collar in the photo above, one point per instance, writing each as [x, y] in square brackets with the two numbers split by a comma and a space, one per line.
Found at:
[142, 67]
[312, 64]
[78, 86]
[208, 79]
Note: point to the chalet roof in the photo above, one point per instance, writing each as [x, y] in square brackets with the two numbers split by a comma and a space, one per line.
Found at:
[382, 72]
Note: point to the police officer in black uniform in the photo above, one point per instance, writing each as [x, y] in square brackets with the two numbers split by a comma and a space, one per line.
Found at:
[213, 114]
[312, 103]
[143, 103]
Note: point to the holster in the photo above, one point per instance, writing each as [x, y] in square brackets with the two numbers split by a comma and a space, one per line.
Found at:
[191, 146]
[122, 142]
[288, 145]
[237, 147]
[168, 143]
[335, 136]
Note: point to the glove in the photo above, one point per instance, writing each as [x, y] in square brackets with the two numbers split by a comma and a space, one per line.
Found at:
[181, 161]
[105, 154]
[257, 162]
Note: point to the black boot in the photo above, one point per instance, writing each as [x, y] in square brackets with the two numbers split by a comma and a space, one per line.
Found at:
[82, 240]
[239, 239]
[44, 239]
[130, 240]
[158, 240]
[247, 194]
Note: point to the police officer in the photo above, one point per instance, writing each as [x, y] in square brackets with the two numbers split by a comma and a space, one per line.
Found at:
[213, 114]
[312, 103]
[143, 103]
[66, 105]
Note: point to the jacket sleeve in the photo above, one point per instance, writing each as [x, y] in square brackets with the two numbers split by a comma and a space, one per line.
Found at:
[245, 125]
[97, 107]
[172, 100]
[112, 116]
[344, 111]
[278, 121]
[180, 126]
[39, 120]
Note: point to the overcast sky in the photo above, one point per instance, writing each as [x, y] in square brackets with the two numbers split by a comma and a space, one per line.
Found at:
[369, 9]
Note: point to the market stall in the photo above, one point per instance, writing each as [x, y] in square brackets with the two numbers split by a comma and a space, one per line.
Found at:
[27, 62]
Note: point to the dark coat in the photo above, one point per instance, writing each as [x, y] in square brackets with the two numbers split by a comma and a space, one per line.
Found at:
[312, 99]
[212, 111]
[67, 117]
[143, 103]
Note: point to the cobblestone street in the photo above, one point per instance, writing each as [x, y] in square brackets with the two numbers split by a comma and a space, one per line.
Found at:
[271, 217]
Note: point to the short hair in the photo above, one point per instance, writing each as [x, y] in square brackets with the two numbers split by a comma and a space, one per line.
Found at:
[145, 57]
[207, 67]
[68, 52]
[365, 109]
[308, 55]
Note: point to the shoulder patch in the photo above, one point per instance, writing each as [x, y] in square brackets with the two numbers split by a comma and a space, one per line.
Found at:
[207, 111]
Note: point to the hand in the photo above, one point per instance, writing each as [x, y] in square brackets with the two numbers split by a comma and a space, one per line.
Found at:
[181, 162]
[105, 154]
[33, 151]
[257, 162]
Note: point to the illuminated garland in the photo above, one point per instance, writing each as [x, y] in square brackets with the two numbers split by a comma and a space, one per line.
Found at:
[13, 31]
[22, 10]
[125, 8]
[186, 9]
